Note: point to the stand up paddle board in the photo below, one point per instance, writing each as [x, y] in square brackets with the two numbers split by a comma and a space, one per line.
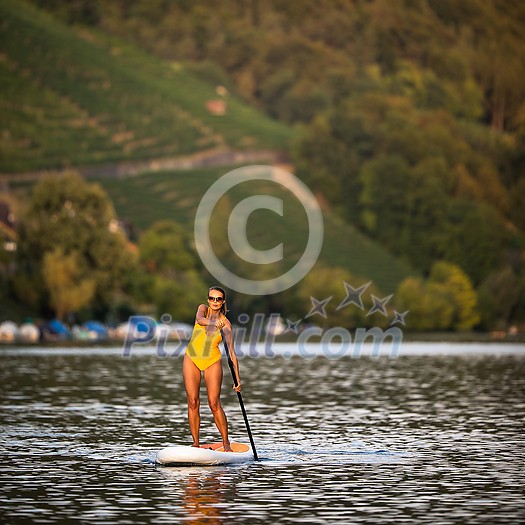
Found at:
[210, 454]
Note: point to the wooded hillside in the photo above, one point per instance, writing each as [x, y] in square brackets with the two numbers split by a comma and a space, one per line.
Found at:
[409, 116]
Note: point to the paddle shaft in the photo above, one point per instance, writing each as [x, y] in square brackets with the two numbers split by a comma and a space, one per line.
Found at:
[239, 397]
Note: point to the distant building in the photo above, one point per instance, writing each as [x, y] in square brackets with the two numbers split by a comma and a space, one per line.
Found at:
[216, 107]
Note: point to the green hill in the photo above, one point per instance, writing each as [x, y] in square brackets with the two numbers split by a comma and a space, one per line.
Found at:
[150, 197]
[73, 96]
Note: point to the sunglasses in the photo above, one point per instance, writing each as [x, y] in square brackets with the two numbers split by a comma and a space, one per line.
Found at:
[215, 299]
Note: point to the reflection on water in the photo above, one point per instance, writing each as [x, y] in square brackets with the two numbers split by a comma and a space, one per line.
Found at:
[422, 438]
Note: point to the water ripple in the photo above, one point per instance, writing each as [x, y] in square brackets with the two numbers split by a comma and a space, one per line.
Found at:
[418, 439]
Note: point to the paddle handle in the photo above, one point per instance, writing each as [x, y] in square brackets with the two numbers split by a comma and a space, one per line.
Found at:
[239, 397]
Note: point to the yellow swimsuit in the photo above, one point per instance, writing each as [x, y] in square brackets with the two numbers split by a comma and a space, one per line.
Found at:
[203, 349]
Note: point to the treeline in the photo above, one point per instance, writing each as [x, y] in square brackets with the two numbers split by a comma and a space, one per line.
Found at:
[410, 114]
[75, 261]
[299, 58]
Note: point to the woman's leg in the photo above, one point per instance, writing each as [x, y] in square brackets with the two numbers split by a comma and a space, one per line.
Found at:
[213, 379]
[192, 383]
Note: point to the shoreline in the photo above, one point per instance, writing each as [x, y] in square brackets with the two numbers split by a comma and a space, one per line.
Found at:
[408, 337]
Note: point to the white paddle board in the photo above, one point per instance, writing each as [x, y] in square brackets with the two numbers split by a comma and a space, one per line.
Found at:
[209, 454]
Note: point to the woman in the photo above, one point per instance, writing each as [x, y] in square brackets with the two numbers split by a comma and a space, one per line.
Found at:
[203, 357]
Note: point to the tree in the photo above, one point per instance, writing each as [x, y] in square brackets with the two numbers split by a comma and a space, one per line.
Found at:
[518, 204]
[69, 216]
[384, 198]
[498, 295]
[68, 290]
[173, 284]
[445, 301]
[179, 298]
[476, 238]
[428, 303]
[461, 292]
[165, 247]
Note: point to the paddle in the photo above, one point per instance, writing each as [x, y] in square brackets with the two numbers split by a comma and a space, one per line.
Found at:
[239, 397]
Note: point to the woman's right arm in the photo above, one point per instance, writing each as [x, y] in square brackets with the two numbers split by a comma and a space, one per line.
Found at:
[201, 318]
[205, 321]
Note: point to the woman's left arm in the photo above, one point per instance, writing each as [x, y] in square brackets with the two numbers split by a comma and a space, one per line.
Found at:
[228, 336]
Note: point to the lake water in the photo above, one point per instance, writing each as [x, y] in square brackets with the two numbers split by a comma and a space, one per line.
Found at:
[435, 435]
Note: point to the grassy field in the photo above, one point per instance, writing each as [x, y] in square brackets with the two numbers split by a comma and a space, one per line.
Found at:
[69, 96]
[151, 197]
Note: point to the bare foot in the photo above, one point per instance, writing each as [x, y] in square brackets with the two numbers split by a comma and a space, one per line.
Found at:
[196, 445]
[227, 447]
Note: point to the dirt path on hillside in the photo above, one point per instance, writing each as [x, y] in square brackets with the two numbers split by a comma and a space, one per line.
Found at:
[203, 159]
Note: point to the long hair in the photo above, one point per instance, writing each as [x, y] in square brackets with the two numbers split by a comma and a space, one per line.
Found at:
[223, 309]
